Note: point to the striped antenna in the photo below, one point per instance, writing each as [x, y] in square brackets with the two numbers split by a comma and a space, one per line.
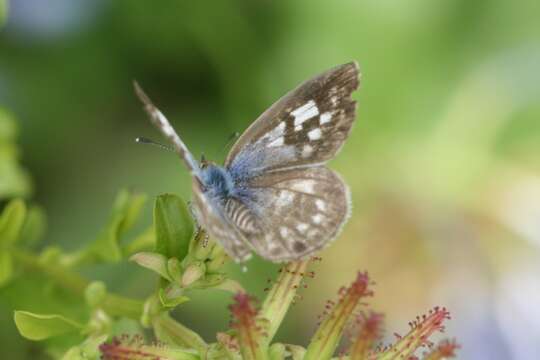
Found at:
[147, 141]
[163, 125]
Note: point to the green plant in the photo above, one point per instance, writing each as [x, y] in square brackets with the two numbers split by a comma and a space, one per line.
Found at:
[93, 321]
[76, 318]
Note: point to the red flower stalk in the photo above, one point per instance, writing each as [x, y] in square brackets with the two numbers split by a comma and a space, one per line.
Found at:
[132, 348]
[444, 350]
[368, 331]
[421, 329]
[250, 334]
[326, 339]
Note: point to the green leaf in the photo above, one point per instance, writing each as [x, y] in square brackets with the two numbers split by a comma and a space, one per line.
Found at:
[152, 261]
[126, 210]
[14, 180]
[169, 299]
[43, 326]
[34, 227]
[11, 222]
[106, 246]
[129, 206]
[173, 225]
[6, 267]
[144, 242]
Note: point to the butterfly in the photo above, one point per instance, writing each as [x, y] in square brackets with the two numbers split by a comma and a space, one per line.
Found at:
[274, 195]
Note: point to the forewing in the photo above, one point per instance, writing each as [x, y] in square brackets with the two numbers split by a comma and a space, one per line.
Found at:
[291, 214]
[164, 126]
[210, 215]
[305, 127]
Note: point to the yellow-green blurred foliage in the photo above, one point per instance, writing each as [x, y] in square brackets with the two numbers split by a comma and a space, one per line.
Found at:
[443, 162]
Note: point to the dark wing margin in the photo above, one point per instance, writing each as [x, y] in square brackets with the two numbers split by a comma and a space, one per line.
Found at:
[307, 126]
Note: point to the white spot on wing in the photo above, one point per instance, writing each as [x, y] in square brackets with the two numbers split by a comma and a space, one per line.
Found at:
[305, 112]
[305, 186]
[285, 198]
[315, 134]
[283, 231]
[317, 219]
[321, 205]
[307, 150]
[325, 118]
[278, 142]
[301, 227]
[276, 132]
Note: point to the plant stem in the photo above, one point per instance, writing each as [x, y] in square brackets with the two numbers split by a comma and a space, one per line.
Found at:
[171, 330]
[329, 333]
[115, 305]
[63, 277]
[281, 295]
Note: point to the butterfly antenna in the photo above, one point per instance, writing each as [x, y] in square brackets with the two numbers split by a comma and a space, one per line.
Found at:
[164, 126]
[143, 140]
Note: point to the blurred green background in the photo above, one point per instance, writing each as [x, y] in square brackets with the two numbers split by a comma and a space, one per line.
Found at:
[443, 162]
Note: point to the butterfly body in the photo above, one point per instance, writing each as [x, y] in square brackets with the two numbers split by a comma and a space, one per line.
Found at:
[217, 182]
[274, 195]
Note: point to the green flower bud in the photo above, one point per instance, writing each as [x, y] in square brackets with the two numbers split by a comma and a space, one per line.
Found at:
[217, 261]
[174, 269]
[95, 293]
[192, 273]
[202, 246]
[210, 280]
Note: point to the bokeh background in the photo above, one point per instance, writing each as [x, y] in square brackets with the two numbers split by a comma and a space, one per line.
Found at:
[443, 162]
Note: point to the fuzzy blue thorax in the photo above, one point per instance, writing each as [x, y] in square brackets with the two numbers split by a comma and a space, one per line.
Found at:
[218, 182]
